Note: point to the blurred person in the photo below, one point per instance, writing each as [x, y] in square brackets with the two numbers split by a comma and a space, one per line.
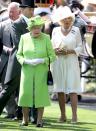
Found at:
[91, 12]
[93, 21]
[58, 3]
[3, 14]
[5, 3]
[67, 44]
[3, 8]
[81, 21]
[6, 37]
[43, 9]
[91, 7]
[34, 59]
[1, 48]
[27, 11]
[12, 78]
[78, 10]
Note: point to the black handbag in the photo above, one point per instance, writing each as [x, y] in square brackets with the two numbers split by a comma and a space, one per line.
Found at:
[49, 76]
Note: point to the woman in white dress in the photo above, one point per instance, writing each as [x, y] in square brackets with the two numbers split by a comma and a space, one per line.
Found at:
[67, 44]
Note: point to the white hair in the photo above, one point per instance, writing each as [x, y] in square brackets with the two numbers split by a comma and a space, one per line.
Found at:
[13, 4]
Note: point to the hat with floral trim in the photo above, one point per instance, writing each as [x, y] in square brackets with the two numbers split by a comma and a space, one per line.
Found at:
[35, 21]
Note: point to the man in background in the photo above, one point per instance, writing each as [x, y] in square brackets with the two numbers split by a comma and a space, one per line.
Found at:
[6, 37]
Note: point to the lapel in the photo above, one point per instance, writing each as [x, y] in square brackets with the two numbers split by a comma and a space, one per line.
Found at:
[12, 30]
[24, 25]
[12, 34]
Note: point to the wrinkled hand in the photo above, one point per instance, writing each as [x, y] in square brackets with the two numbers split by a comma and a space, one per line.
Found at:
[64, 51]
[60, 51]
[68, 51]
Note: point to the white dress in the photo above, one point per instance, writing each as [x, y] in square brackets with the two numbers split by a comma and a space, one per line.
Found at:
[65, 69]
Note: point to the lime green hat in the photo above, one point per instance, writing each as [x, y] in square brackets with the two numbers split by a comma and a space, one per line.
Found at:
[35, 21]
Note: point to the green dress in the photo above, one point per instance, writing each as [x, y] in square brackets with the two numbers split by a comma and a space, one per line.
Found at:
[33, 84]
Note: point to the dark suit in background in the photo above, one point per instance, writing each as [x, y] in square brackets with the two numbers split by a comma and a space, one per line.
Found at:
[1, 46]
[14, 68]
[12, 77]
[3, 17]
[5, 36]
[5, 39]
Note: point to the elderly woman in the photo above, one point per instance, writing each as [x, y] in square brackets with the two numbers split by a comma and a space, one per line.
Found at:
[34, 51]
[67, 44]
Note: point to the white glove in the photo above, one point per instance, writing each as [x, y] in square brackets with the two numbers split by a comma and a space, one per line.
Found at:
[27, 61]
[37, 61]
[34, 61]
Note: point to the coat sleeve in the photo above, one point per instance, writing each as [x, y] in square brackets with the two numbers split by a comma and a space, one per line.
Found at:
[50, 51]
[1, 43]
[3, 48]
[19, 55]
[79, 45]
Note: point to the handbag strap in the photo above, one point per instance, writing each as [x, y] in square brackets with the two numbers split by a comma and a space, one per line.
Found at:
[49, 63]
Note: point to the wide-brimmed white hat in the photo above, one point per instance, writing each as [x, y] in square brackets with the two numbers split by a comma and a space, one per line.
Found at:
[61, 13]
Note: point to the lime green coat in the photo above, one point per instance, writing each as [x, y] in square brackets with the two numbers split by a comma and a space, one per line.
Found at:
[33, 84]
